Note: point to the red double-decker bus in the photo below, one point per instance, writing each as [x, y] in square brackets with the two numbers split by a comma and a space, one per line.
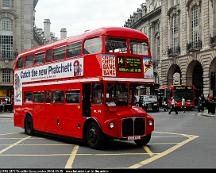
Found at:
[84, 87]
[178, 91]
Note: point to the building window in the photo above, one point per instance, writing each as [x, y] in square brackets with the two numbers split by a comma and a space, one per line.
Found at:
[7, 3]
[175, 33]
[6, 38]
[6, 76]
[195, 26]
[158, 48]
[6, 24]
[6, 46]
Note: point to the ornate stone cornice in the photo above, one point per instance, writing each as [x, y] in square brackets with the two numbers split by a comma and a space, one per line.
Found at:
[173, 10]
[11, 13]
[191, 3]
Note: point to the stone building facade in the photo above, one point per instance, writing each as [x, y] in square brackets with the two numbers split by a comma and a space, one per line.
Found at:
[187, 43]
[147, 20]
[17, 33]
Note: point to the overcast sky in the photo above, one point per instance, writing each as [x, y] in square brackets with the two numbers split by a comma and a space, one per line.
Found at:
[80, 15]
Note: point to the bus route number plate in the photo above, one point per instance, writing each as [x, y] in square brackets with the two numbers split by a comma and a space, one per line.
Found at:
[132, 138]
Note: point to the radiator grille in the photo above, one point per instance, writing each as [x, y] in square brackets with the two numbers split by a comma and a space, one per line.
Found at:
[133, 127]
[127, 127]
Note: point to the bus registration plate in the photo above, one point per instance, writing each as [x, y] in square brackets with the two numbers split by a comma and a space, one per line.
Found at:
[132, 138]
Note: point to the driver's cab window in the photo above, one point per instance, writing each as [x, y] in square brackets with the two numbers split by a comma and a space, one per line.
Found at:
[117, 94]
[97, 93]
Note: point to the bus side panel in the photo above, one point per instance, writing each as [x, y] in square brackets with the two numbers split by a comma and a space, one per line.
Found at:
[48, 116]
[39, 117]
[18, 117]
[71, 118]
[92, 66]
[72, 114]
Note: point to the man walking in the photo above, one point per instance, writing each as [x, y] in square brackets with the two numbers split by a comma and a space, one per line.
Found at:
[183, 104]
[173, 106]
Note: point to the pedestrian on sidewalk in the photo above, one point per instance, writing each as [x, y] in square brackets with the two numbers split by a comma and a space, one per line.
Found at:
[183, 104]
[201, 103]
[173, 106]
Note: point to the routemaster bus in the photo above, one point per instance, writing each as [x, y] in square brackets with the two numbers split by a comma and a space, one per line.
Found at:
[84, 87]
[178, 91]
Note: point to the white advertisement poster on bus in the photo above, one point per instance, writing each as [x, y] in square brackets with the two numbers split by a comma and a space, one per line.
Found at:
[58, 70]
[148, 67]
[108, 66]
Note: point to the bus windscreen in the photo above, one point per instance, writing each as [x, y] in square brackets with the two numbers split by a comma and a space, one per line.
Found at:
[183, 91]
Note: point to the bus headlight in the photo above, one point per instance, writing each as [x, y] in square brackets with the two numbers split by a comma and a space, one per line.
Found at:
[111, 125]
[150, 122]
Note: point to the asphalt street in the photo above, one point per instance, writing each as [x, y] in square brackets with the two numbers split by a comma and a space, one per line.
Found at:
[186, 140]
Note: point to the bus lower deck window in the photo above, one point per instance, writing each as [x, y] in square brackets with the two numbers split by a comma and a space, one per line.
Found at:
[58, 97]
[73, 96]
[28, 97]
[39, 97]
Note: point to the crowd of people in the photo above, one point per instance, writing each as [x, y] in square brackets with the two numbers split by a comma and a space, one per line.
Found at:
[202, 103]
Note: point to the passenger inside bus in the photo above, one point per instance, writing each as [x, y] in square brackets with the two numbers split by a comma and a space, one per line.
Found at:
[97, 94]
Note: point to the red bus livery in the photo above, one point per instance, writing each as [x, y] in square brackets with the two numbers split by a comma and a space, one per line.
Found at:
[84, 87]
[178, 91]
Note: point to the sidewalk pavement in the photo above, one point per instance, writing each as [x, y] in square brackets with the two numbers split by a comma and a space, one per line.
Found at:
[206, 114]
[6, 114]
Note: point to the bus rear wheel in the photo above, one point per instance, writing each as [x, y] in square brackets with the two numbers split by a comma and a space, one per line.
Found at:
[144, 141]
[29, 126]
[94, 136]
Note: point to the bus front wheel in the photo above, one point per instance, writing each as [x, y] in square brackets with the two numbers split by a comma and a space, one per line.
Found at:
[144, 141]
[94, 136]
[29, 126]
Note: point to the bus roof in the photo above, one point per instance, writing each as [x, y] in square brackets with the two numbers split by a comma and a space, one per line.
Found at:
[105, 31]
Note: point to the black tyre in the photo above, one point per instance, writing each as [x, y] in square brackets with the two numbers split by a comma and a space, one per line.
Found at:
[144, 141]
[94, 136]
[29, 126]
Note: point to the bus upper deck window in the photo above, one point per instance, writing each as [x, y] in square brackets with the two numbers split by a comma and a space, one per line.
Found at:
[92, 46]
[39, 58]
[74, 49]
[59, 53]
[139, 48]
[116, 45]
[29, 60]
[49, 55]
[20, 63]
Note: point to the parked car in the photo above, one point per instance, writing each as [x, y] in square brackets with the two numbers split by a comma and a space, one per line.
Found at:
[149, 102]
